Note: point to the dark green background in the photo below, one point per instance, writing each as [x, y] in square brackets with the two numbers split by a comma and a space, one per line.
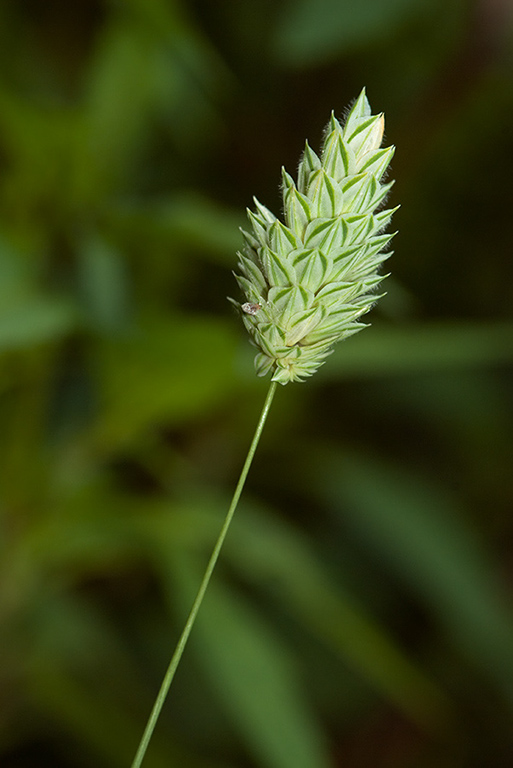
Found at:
[361, 613]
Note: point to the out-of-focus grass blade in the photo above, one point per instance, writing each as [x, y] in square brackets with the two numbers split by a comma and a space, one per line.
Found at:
[272, 555]
[103, 282]
[166, 370]
[255, 678]
[270, 552]
[313, 31]
[149, 66]
[118, 105]
[416, 529]
[35, 321]
[92, 718]
[185, 219]
[28, 316]
[416, 348]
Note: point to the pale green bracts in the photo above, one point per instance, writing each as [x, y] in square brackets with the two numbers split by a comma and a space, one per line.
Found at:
[309, 280]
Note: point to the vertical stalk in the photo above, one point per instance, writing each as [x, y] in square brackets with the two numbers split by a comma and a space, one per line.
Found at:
[182, 642]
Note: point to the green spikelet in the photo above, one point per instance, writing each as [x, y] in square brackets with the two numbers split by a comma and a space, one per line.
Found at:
[309, 280]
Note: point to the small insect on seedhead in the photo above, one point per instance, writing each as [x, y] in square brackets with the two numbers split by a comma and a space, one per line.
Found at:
[250, 309]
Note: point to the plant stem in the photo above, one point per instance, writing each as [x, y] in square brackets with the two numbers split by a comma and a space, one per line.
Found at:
[182, 642]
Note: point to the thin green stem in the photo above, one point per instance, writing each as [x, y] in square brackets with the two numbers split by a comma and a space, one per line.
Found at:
[182, 642]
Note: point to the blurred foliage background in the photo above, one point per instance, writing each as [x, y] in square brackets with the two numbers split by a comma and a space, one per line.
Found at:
[362, 611]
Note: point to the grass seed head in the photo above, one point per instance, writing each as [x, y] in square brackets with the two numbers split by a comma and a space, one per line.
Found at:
[310, 279]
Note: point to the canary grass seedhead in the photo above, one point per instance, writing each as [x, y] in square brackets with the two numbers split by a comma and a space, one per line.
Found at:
[308, 281]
